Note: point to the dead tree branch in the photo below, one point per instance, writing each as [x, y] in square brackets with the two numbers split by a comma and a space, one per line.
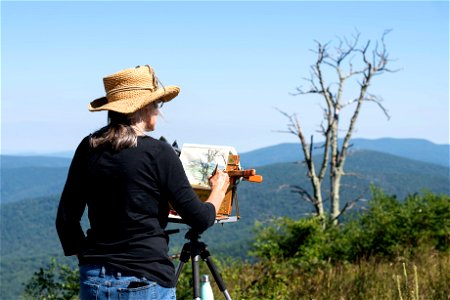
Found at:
[351, 60]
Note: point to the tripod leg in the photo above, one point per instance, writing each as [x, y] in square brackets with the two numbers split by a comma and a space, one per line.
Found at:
[212, 267]
[196, 276]
[184, 258]
[178, 270]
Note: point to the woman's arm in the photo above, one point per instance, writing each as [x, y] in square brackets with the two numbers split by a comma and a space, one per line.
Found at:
[72, 204]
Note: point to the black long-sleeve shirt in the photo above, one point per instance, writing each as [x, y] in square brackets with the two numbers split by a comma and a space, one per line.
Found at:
[127, 193]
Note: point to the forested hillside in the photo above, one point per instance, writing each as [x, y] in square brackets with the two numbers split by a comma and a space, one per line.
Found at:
[24, 177]
[29, 237]
[29, 182]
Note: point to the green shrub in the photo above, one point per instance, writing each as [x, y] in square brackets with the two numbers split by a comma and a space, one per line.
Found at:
[387, 228]
[304, 240]
[56, 281]
[390, 228]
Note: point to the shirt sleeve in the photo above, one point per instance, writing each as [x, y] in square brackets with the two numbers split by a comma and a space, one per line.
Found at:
[195, 213]
[72, 203]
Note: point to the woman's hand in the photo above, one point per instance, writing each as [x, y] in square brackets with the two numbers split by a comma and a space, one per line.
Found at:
[219, 181]
[219, 184]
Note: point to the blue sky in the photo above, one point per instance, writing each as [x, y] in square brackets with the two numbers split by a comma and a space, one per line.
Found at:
[234, 62]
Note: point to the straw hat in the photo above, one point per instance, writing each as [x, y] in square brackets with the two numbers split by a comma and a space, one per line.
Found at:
[132, 89]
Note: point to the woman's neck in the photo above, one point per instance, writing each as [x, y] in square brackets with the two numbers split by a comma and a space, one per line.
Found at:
[139, 128]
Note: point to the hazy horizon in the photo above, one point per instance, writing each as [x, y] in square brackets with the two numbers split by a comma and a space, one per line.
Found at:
[69, 153]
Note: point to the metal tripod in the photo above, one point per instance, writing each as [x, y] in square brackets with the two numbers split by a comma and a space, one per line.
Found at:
[196, 250]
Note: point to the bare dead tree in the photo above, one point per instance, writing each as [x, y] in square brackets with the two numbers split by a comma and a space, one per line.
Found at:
[339, 64]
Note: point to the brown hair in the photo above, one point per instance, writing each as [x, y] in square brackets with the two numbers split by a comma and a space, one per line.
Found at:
[119, 133]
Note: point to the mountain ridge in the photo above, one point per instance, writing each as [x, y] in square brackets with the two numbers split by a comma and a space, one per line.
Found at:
[416, 149]
[34, 176]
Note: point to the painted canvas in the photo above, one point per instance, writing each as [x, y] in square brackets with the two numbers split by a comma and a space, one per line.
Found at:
[199, 161]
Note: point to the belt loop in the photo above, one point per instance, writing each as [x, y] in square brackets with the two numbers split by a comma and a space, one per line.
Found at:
[103, 272]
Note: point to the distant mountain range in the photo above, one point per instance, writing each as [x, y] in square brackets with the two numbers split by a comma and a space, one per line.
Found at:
[416, 149]
[35, 176]
[14, 162]
[30, 189]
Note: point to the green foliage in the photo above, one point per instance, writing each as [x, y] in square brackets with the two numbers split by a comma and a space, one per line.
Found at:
[284, 238]
[56, 281]
[390, 228]
[29, 239]
[387, 229]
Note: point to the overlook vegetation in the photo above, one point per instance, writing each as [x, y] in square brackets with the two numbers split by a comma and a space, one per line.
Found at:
[394, 250]
[269, 216]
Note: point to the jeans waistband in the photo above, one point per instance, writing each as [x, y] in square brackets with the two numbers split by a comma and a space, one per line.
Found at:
[104, 271]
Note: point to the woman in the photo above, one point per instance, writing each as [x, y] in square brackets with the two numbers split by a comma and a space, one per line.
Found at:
[127, 180]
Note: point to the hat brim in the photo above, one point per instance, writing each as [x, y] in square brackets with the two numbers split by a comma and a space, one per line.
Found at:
[133, 104]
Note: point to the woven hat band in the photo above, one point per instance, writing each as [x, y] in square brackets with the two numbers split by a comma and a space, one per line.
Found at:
[128, 95]
[129, 88]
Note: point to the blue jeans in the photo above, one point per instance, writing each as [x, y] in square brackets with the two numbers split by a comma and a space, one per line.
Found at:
[103, 283]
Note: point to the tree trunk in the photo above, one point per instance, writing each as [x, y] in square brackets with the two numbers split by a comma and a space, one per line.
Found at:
[317, 193]
[335, 195]
[334, 174]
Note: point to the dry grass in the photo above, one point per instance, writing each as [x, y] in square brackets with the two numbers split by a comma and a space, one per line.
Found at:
[427, 276]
